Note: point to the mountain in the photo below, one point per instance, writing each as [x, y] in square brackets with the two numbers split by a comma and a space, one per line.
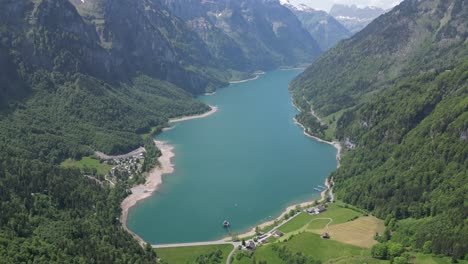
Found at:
[78, 77]
[396, 95]
[248, 35]
[325, 29]
[353, 17]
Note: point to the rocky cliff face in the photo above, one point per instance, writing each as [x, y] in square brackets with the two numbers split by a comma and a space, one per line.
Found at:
[325, 29]
[248, 35]
[146, 38]
[111, 40]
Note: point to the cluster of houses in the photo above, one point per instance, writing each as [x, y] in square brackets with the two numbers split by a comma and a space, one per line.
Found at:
[316, 210]
[260, 240]
[126, 167]
[263, 238]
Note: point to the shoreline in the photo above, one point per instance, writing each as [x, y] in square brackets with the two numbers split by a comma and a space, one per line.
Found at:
[285, 211]
[246, 80]
[335, 144]
[213, 110]
[295, 68]
[152, 183]
[154, 179]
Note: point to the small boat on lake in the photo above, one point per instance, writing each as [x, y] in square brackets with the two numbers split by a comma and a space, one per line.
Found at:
[226, 223]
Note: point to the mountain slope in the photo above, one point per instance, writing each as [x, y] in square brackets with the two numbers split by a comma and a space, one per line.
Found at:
[325, 29]
[248, 35]
[71, 84]
[397, 94]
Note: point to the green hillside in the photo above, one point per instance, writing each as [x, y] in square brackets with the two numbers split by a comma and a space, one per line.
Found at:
[397, 94]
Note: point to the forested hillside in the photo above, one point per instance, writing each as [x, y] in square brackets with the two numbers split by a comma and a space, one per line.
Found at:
[396, 95]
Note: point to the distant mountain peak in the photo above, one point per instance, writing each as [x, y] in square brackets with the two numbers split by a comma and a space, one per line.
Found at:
[299, 6]
[355, 18]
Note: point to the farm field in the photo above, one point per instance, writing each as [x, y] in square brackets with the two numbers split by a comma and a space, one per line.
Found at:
[359, 232]
[336, 212]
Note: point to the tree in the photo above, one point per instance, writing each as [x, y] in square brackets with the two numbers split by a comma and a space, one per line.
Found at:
[400, 260]
[387, 234]
[243, 242]
[427, 247]
[379, 251]
[394, 250]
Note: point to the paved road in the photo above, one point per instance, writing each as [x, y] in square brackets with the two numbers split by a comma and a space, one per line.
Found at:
[192, 244]
[135, 152]
[236, 245]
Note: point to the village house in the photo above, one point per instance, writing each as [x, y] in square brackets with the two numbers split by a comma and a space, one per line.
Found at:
[316, 210]
[250, 245]
[278, 233]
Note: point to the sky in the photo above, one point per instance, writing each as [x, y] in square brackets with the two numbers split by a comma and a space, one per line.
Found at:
[327, 4]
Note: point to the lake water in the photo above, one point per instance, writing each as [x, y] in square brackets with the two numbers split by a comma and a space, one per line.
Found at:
[246, 163]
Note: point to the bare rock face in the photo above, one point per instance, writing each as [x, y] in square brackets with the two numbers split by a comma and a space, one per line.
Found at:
[111, 40]
[145, 37]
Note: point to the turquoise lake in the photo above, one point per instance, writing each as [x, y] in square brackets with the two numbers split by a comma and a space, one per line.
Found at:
[246, 163]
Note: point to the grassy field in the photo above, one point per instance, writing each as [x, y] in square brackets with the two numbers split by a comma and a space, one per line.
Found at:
[87, 162]
[183, 255]
[261, 253]
[429, 259]
[335, 211]
[359, 232]
[328, 251]
[352, 235]
[323, 249]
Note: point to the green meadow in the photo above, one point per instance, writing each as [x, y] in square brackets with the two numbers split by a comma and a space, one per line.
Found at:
[88, 163]
[183, 255]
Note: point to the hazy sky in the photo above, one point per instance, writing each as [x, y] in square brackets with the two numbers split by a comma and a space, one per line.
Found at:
[327, 4]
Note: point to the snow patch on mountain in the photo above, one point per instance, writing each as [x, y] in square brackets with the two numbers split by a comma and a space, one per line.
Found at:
[300, 7]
